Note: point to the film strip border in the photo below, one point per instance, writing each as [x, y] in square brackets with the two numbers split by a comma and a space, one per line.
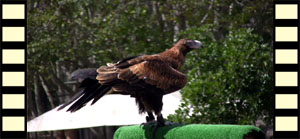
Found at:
[286, 69]
[13, 68]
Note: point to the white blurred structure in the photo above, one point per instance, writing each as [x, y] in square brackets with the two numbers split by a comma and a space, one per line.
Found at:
[110, 110]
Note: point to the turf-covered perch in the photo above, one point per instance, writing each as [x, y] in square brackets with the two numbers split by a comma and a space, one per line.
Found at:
[192, 131]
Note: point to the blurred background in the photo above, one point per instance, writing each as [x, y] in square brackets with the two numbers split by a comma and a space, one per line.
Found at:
[230, 80]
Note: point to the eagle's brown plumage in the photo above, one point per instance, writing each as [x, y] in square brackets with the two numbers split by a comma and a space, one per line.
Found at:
[146, 77]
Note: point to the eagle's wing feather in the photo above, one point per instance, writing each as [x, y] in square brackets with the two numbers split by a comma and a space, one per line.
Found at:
[155, 73]
[142, 72]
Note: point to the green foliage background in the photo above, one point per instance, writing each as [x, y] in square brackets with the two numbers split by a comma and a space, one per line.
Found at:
[230, 80]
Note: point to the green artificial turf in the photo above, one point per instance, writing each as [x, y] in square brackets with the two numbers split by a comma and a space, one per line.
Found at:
[192, 131]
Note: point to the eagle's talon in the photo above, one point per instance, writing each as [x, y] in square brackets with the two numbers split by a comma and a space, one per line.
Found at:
[150, 123]
[149, 119]
[170, 123]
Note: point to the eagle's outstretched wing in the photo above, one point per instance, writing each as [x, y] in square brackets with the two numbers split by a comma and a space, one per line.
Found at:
[143, 73]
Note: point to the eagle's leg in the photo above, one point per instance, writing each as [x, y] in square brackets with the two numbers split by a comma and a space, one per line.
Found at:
[160, 120]
[150, 117]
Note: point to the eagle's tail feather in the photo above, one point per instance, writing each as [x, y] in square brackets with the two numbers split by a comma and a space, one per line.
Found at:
[76, 96]
[95, 91]
[92, 89]
[89, 93]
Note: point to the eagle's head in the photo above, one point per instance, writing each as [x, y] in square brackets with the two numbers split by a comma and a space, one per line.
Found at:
[186, 45]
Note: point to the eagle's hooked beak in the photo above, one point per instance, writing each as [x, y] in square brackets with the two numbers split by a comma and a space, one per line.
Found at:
[194, 44]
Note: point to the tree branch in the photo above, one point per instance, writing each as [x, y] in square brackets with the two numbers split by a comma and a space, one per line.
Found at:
[47, 91]
[206, 15]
